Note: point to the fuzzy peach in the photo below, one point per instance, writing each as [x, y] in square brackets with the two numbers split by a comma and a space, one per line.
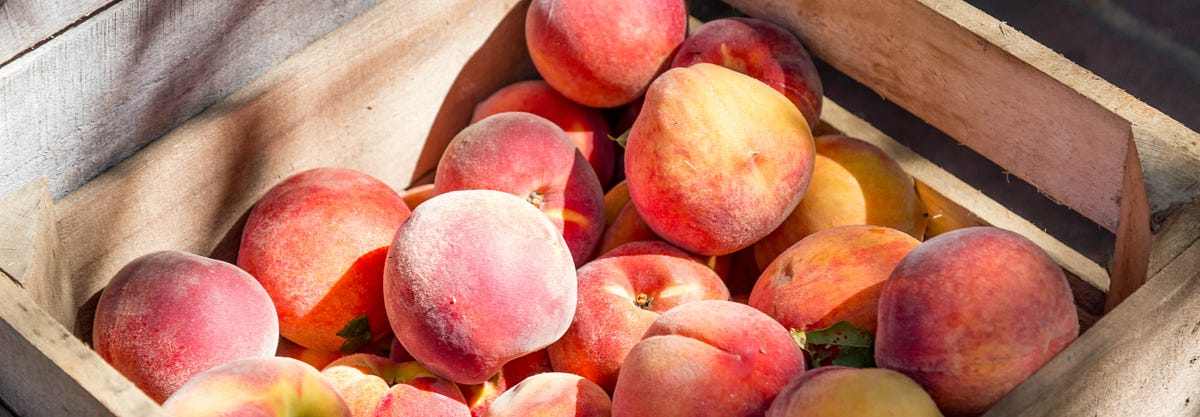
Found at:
[835, 391]
[707, 358]
[717, 159]
[603, 53]
[272, 386]
[363, 380]
[853, 182]
[586, 126]
[553, 394]
[528, 156]
[322, 277]
[404, 400]
[317, 358]
[830, 276]
[762, 50]
[475, 279]
[167, 316]
[944, 305]
[620, 295]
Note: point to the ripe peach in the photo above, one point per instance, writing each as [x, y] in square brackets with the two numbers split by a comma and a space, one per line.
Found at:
[528, 156]
[603, 53]
[626, 227]
[553, 394]
[586, 127]
[853, 182]
[835, 391]
[364, 380]
[404, 400]
[526, 366]
[317, 358]
[830, 276]
[762, 50]
[620, 295]
[944, 305]
[169, 315]
[322, 277]
[480, 396]
[475, 279]
[707, 358]
[416, 195]
[271, 386]
[614, 201]
[717, 159]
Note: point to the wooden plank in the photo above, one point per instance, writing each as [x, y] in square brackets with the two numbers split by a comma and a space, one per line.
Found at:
[47, 371]
[368, 107]
[1141, 359]
[25, 23]
[96, 93]
[30, 251]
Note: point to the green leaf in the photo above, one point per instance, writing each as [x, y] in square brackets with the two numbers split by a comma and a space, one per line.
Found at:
[620, 140]
[842, 344]
[357, 333]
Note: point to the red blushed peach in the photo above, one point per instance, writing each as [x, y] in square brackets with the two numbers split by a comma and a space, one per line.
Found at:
[554, 394]
[761, 50]
[170, 315]
[272, 386]
[526, 366]
[944, 305]
[620, 294]
[853, 182]
[528, 156]
[707, 358]
[416, 195]
[364, 380]
[403, 400]
[323, 277]
[603, 53]
[717, 159]
[614, 201]
[834, 391]
[586, 127]
[475, 279]
[830, 276]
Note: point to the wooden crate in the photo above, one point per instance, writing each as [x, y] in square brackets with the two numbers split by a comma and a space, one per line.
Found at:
[385, 93]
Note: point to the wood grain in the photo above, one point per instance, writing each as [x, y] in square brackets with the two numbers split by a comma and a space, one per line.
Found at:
[1141, 359]
[25, 23]
[98, 92]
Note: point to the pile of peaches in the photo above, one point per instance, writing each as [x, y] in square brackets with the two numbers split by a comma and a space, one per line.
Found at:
[688, 267]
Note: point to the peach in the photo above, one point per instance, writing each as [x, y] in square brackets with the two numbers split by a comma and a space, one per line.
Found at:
[167, 316]
[271, 386]
[761, 50]
[317, 358]
[830, 276]
[614, 201]
[853, 182]
[603, 53]
[528, 156]
[553, 394]
[835, 391]
[364, 380]
[475, 279]
[416, 195]
[626, 227]
[586, 127]
[480, 396]
[945, 304]
[707, 358]
[620, 295]
[526, 366]
[404, 400]
[320, 277]
[717, 159]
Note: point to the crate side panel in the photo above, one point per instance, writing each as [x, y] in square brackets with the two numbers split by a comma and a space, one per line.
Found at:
[25, 23]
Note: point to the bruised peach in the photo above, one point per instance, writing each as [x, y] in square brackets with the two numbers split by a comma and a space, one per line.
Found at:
[586, 127]
[323, 277]
[762, 50]
[528, 156]
[169, 315]
[830, 276]
[944, 305]
[475, 279]
[717, 159]
[603, 53]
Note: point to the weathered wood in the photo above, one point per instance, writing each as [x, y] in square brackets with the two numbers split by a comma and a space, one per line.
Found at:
[383, 95]
[96, 93]
[1141, 359]
[30, 249]
[25, 23]
[47, 371]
